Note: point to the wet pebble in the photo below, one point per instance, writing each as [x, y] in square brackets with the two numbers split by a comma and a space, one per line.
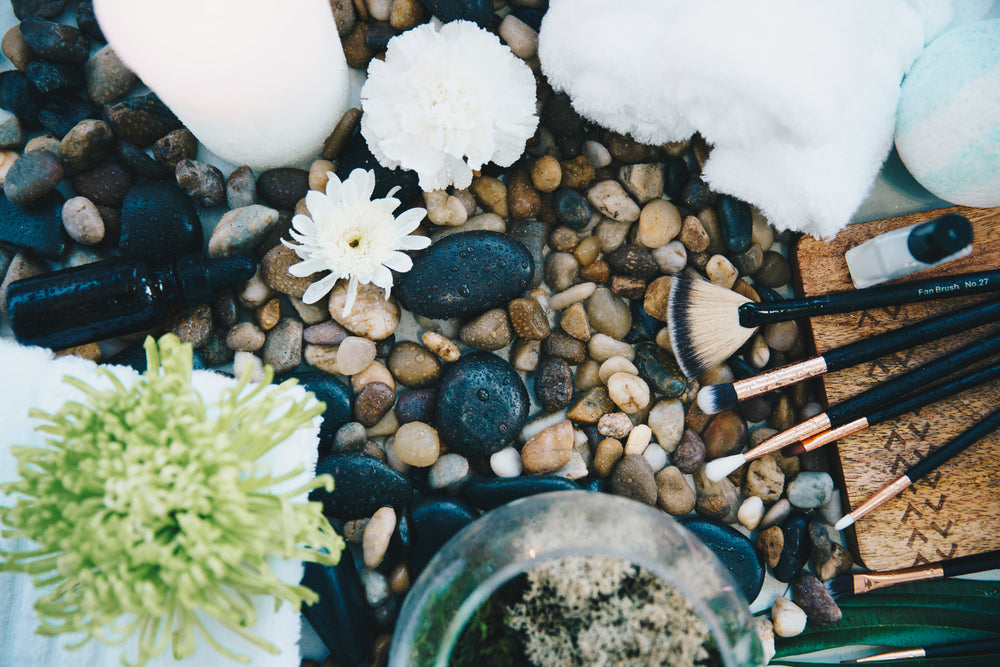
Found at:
[283, 347]
[57, 42]
[175, 146]
[373, 402]
[354, 355]
[324, 333]
[434, 521]
[363, 485]
[157, 218]
[106, 184]
[106, 77]
[489, 331]
[36, 227]
[794, 549]
[416, 405]
[633, 478]
[673, 493]
[376, 537]
[725, 434]
[553, 383]
[467, 273]
[571, 208]
[817, 603]
[413, 365]
[810, 489]
[449, 472]
[736, 222]
[202, 182]
[372, 316]
[527, 319]
[736, 552]
[140, 120]
[240, 229]
[32, 176]
[86, 144]
[482, 404]
[282, 187]
[82, 221]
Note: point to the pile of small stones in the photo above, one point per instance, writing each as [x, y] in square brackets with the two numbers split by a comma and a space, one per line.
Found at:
[538, 361]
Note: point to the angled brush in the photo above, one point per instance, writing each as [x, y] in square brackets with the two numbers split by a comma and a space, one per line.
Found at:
[959, 443]
[854, 407]
[939, 391]
[718, 397]
[848, 585]
[708, 323]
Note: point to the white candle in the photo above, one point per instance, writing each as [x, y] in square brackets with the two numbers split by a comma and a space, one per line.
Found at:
[259, 82]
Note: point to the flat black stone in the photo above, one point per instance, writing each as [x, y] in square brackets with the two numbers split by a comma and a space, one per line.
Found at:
[362, 484]
[488, 493]
[158, 220]
[477, 11]
[735, 221]
[416, 405]
[696, 194]
[141, 119]
[737, 553]
[19, 97]
[36, 227]
[87, 22]
[553, 383]
[632, 260]
[342, 618]
[45, 8]
[339, 401]
[466, 274]
[434, 521]
[795, 552]
[675, 176]
[140, 161]
[282, 187]
[481, 405]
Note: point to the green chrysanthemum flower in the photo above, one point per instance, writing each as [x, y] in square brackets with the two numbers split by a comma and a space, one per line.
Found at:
[151, 511]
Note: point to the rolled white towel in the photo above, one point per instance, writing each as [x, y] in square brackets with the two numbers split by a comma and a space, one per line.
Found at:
[797, 97]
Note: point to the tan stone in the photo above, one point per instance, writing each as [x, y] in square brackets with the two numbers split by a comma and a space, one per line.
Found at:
[372, 315]
[376, 537]
[549, 450]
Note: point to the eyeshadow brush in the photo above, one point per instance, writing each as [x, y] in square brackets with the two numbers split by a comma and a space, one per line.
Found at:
[913, 402]
[959, 443]
[708, 323]
[718, 397]
[849, 585]
[850, 409]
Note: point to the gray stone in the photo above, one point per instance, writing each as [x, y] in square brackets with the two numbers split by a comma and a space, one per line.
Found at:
[283, 348]
[810, 489]
[202, 182]
[240, 229]
[107, 77]
[32, 176]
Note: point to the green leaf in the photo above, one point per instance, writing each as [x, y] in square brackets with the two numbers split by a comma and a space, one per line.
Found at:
[919, 614]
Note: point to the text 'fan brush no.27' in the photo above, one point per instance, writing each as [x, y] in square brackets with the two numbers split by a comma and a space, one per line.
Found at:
[708, 323]
[718, 397]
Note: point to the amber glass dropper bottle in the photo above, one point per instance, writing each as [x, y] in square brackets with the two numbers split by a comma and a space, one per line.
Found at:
[88, 303]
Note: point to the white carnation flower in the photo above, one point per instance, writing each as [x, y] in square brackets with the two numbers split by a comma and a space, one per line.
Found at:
[353, 236]
[445, 101]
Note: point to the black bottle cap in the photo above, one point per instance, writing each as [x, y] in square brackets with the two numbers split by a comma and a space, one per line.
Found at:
[934, 240]
[201, 278]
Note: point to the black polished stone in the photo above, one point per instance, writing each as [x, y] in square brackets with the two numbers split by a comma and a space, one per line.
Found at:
[434, 521]
[342, 618]
[362, 484]
[795, 551]
[339, 401]
[736, 222]
[736, 552]
[486, 493]
[36, 227]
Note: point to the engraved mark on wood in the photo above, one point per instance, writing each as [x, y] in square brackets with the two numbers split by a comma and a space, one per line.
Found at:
[920, 560]
[866, 316]
[914, 536]
[936, 508]
[898, 465]
[943, 532]
[894, 440]
[946, 556]
[911, 508]
[932, 482]
[893, 311]
[921, 434]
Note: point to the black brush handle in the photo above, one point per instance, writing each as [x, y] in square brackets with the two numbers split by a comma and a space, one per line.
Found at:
[975, 433]
[932, 328]
[935, 394]
[900, 385]
[963, 649]
[757, 314]
[971, 564]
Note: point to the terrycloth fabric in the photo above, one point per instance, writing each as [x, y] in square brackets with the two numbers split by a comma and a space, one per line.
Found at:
[798, 97]
[42, 387]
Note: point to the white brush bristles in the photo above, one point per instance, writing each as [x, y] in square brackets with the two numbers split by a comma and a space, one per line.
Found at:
[719, 468]
[844, 522]
[704, 323]
[716, 397]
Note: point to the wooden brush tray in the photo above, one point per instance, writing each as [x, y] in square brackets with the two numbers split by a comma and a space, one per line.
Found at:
[955, 510]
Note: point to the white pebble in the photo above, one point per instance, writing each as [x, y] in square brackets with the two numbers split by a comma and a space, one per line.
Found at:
[666, 419]
[671, 258]
[448, 470]
[597, 153]
[82, 221]
[255, 291]
[751, 512]
[569, 296]
[656, 456]
[519, 36]
[539, 424]
[379, 9]
[575, 469]
[638, 440]
[629, 392]
[760, 353]
[376, 587]
[354, 355]
[616, 365]
[765, 632]
[506, 463]
[721, 271]
[393, 459]
[602, 347]
[377, 535]
[787, 617]
[248, 364]
[444, 348]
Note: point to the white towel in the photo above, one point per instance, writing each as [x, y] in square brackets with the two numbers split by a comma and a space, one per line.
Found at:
[798, 97]
[33, 379]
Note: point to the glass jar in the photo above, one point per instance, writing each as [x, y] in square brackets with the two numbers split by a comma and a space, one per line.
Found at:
[512, 539]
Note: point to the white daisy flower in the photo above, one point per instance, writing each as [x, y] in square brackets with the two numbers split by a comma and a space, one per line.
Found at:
[445, 101]
[353, 236]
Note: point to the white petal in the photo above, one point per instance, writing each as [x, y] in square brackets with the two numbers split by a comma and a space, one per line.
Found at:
[334, 188]
[413, 242]
[382, 277]
[410, 220]
[352, 295]
[316, 291]
[304, 224]
[320, 207]
[398, 261]
[307, 267]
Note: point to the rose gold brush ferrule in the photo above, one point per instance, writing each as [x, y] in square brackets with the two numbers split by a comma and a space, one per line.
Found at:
[894, 655]
[779, 377]
[884, 495]
[797, 433]
[870, 581]
[834, 434]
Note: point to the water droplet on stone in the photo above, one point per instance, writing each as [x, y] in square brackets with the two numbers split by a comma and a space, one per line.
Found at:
[483, 395]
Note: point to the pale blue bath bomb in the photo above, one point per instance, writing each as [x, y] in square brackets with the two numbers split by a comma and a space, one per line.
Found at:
[948, 120]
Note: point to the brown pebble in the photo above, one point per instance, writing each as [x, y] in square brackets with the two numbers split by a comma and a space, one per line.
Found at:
[192, 325]
[596, 272]
[399, 579]
[274, 272]
[673, 493]
[690, 453]
[356, 52]
[575, 322]
[380, 651]
[373, 402]
[491, 194]
[268, 315]
[88, 351]
[764, 479]
[589, 408]
[528, 319]
[413, 365]
[633, 478]
[16, 49]
[564, 239]
[771, 542]
[325, 333]
[782, 414]
[693, 235]
[341, 133]
[523, 200]
[811, 595]
[725, 434]
[376, 537]
[489, 331]
[609, 452]
[546, 173]
[774, 270]
[577, 173]
[627, 287]
[405, 14]
[548, 450]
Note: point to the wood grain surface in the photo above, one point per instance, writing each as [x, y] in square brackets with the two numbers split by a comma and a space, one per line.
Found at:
[955, 510]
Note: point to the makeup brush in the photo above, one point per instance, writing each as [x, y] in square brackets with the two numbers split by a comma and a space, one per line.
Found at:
[975, 433]
[909, 404]
[718, 397]
[852, 408]
[957, 650]
[707, 323]
[849, 585]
